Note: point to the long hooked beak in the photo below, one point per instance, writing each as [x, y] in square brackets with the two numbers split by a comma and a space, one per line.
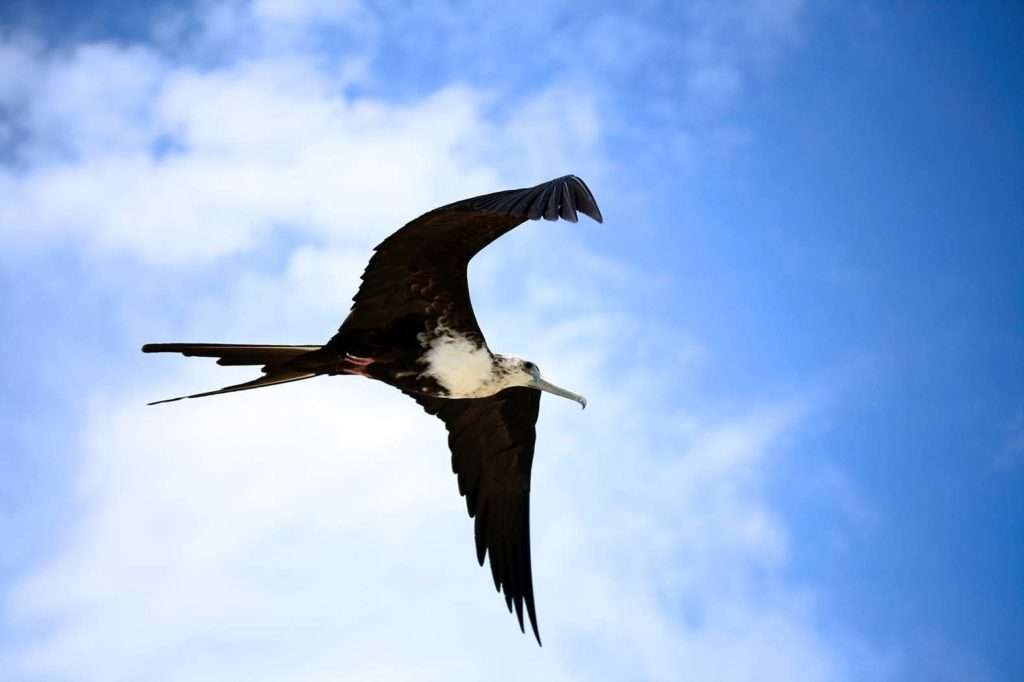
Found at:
[543, 385]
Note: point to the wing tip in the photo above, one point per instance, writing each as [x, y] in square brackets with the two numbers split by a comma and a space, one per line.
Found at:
[566, 196]
[557, 199]
[584, 198]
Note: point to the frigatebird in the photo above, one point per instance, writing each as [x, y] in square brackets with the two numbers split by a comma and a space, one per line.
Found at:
[412, 326]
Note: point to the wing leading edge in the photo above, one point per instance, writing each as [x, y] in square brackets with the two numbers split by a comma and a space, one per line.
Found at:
[420, 270]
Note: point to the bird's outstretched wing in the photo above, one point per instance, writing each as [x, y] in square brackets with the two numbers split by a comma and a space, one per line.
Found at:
[418, 274]
[492, 441]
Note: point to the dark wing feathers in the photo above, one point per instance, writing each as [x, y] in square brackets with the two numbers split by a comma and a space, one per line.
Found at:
[416, 278]
[561, 197]
[420, 270]
[492, 441]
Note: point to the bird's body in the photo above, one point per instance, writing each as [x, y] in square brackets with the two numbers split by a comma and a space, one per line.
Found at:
[412, 326]
[461, 368]
[442, 363]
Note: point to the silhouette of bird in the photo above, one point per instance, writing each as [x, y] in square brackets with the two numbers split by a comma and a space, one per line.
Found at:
[412, 326]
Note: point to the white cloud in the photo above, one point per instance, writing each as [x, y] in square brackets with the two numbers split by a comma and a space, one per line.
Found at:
[728, 44]
[178, 164]
[317, 529]
[124, 149]
[313, 531]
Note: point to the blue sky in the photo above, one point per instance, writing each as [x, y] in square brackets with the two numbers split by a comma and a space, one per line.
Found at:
[799, 329]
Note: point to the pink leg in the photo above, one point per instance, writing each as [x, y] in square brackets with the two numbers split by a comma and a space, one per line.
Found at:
[357, 365]
[358, 361]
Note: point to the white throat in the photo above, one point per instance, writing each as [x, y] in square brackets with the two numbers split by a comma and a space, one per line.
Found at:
[460, 366]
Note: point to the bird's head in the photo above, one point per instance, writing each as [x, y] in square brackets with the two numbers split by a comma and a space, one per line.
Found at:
[525, 373]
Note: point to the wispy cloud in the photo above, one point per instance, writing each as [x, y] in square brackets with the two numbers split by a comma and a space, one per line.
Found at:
[316, 528]
[313, 531]
[152, 158]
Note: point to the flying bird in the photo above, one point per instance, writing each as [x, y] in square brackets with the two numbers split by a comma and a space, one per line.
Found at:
[412, 326]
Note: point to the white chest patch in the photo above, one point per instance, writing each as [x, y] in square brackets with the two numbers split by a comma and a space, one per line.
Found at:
[457, 364]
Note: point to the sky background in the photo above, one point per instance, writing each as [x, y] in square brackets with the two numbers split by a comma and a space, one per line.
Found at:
[799, 328]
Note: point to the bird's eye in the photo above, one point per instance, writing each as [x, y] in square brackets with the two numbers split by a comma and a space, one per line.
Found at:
[529, 366]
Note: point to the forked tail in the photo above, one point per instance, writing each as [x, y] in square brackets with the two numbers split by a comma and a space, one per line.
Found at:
[281, 364]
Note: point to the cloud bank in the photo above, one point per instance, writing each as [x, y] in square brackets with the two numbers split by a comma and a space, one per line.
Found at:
[314, 531]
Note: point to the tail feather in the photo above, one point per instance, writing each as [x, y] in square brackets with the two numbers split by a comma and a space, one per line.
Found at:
[233, 353]
[278, 363]
[269, 380]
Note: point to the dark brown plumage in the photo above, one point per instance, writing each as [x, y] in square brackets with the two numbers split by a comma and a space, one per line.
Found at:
[492, 441]
[417, 276]
[410, 325]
